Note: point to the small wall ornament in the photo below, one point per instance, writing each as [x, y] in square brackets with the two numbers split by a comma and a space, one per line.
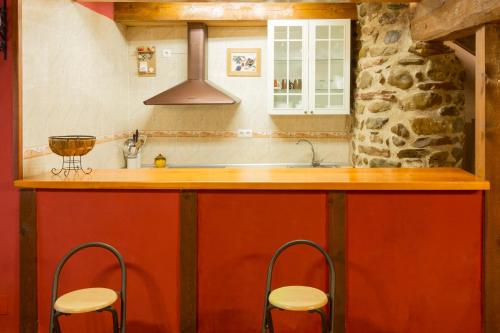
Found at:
[243, 62]
[146, 61]
[3, 29]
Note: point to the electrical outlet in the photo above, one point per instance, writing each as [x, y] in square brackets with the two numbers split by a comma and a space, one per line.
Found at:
[166, 53]
[245, 133]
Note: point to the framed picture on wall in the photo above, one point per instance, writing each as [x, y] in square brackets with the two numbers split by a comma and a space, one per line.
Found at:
[243, 62]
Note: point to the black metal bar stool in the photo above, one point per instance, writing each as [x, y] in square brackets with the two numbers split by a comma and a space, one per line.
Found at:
[89, 299]
[299, 298]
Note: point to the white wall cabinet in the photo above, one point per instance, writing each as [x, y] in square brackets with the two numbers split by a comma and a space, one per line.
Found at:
[309, 66]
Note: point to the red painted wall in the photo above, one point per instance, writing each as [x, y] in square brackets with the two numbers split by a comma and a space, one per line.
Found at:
[238, 232]
[9, 207]
[103, 8]
[414, 262]
[142, 225]
[413, 258]
[9, 239]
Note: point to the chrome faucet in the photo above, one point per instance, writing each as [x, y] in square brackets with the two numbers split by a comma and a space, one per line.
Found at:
[315, 163]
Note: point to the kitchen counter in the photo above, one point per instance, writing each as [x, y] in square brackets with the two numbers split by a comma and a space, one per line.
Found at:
[423, 226]
[263, 179]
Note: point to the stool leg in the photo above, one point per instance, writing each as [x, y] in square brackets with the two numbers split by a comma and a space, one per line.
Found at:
[116, 329]
[270, 321]
[112, 310]
[52, 321]
[57, 326]
[324, 322]
[267, 322]
[264, 320]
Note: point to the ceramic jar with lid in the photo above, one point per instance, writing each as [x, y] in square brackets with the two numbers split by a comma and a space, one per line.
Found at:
[160, 161]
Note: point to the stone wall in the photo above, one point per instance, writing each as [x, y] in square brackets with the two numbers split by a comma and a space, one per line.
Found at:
[409, 100]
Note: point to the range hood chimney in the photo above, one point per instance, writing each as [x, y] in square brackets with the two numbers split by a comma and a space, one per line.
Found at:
[196, 90]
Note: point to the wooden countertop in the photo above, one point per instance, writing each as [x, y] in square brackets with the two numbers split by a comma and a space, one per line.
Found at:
[263, 179]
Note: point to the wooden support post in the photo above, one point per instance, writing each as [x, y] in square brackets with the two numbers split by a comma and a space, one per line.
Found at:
[188, 260]
[336, 248]
[479, 158]
[488, 94]
[16, 89]
[27, 263]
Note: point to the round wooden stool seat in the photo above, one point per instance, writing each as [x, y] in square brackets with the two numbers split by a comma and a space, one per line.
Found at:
[298, 298]
[85, 300]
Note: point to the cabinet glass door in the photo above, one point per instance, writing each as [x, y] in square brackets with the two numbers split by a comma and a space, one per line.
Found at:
[329, 66]
[288, 50]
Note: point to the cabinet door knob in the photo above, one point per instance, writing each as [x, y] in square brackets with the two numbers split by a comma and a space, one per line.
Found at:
[312, 112]
[305, 112]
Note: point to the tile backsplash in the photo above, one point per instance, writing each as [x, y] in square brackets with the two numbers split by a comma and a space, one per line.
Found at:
[239, 150]
[83, 80]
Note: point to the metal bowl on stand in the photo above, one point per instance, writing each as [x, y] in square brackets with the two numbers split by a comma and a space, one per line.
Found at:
[71, 148]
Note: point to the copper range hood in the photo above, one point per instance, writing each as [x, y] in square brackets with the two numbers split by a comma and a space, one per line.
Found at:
[196, 90]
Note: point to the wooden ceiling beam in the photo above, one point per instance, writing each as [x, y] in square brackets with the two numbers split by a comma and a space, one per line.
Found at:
[451, 19]
[228, 13]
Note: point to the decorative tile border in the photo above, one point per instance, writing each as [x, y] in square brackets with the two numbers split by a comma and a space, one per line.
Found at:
[190, 134]
[37, 151]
